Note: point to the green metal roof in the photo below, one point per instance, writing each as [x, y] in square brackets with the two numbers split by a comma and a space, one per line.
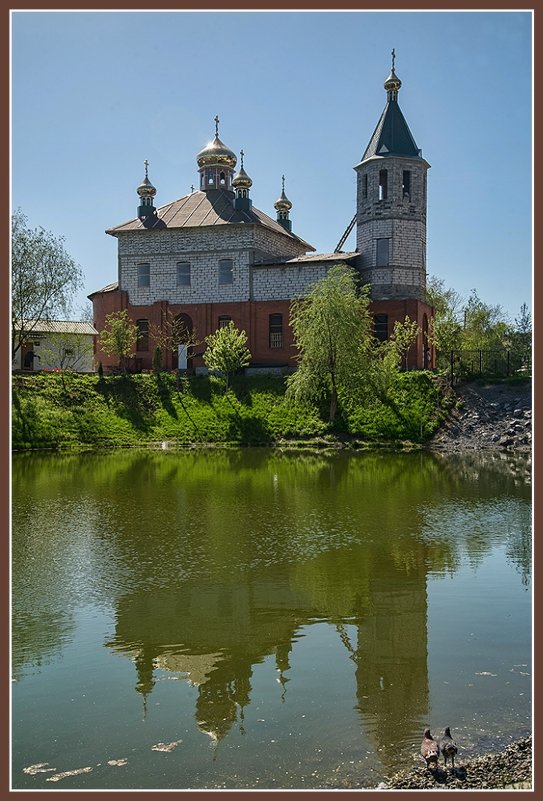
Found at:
[392, 136]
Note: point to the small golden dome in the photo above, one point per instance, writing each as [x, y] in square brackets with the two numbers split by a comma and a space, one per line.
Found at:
[216, 154]
[392, 82]
[282, 203]
[242, 180]
[146, 188]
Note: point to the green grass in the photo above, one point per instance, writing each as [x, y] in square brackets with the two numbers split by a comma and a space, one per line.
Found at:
[54, 410]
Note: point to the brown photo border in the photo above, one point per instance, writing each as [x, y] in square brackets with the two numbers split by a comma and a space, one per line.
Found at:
[243, 5]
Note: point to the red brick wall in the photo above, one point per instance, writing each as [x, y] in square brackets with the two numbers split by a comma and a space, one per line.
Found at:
[252, 317]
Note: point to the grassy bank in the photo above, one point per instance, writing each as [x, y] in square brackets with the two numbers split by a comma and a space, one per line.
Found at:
[63, 410]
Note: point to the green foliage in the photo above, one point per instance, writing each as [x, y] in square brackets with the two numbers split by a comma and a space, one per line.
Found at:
[412, 410]
[333, 334]
[44, 278]
[119, 336]
[141, 409]
[484, 326]
[157, 359]
[522, 330]
[227, 351]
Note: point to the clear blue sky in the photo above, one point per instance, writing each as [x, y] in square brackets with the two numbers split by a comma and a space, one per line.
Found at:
[96, 93]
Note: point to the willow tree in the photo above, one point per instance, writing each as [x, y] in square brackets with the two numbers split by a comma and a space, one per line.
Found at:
[333, 333]
[44, 279]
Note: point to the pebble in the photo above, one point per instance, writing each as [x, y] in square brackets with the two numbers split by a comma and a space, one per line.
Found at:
[510, 767]
[492, 416]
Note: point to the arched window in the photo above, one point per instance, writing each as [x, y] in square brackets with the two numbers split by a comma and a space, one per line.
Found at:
[222, 179]
[276, 330]
[144, 275]
[380, 327]
[226, 271]
[224, 321]
[142, 343]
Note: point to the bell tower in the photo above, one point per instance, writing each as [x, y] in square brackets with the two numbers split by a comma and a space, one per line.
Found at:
[391, 206]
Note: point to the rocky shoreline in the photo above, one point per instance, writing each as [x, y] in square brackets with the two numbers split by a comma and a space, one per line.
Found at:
[488, 416]
[511, 768]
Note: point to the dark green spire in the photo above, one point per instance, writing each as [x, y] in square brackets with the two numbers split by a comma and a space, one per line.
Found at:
[392, 136]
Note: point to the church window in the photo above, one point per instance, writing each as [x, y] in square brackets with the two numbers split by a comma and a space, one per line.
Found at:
[142, 342]
[380, 327]
[222, 179]
[365, 186]
[406, 184]
[209, 177]
[144, 275]
[383, 253]
[226, 271]
[383, 184]
[276, 330]
[224, 321]
[183, 273]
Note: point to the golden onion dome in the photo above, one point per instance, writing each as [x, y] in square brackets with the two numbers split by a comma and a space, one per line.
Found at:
[241, 180]
[146, 188]
[282, 203]
[216, 154]
[392, 82]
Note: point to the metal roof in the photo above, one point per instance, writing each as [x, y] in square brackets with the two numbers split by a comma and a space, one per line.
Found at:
[392, 136]
[200, 209]
[58, 327]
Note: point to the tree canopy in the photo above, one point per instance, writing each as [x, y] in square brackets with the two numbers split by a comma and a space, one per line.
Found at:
[333, 333]
[44, 279]
[227, 351]
[119, 336]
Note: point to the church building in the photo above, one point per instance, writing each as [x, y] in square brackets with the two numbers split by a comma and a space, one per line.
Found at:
[211, 256]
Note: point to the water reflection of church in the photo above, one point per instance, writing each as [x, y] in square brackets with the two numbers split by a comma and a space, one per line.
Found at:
[215, 633]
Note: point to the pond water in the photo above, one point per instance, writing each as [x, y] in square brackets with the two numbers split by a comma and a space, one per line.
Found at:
[258, 619]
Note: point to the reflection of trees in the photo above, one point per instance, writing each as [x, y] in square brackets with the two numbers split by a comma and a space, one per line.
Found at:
[214, 561]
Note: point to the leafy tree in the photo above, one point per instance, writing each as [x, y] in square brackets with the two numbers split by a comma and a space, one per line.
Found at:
[119, 337]
[485, 326]
[397, 347]
[44, 279]
[227, 351]
[446, 325]
[157, 359]
[522, 331]
[333, 333]
[171, 333]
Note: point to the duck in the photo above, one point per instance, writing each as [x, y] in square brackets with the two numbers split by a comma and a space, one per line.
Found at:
[429, 749]
[448, 746]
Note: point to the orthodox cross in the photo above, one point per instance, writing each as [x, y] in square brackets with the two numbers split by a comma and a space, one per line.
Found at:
[241, 154]
[393, 58]
[192, 188]
[283, 180]
[146, 165]
[217, 125]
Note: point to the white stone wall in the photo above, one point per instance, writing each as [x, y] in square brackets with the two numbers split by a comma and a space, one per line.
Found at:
[49, 350]
[401, 220]
[203, 248]
[288, 282]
